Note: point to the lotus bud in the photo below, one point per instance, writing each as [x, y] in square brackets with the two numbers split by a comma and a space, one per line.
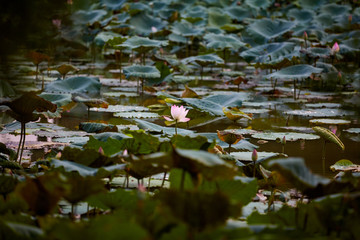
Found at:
[125, 152]
[335, 48]
[283, 141]
[101, 150]
[350, 19]
[305, 36]
[154, 29]
[254, 156]
[58, 155]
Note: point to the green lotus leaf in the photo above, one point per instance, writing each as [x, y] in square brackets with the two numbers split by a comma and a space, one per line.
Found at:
[24, 231]
[74, 85]
[141, 71]
[310, 4]
[247, 156]
[204, 59]
[93, 127]
[353, 130]
[296, 172]
[301, 15]
[120, 108]
[209, 165]
[82, 169]
[177, 38]
[6, 90]
[269, 29]
[103, 37]
[143, 23]
[136, 115]
[295, 72]
[290, 136]
[336, 9]
[121, 198]
[195, 14]
[238, 13]
[217, 17]
[323, 105]
[324, 19]
[330, 121]
[259, 4]
[322, 112]
[157, 129]
[88, 17]
[150, 164]
[186, 29]
[318, 52]
[56, 98]
[215, 103]
[350, 45]
[272, 52]
[113, 5]
[220, 41]
[345, 165]
[142, 44]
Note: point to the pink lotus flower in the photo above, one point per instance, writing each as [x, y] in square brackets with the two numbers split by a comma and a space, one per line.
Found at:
[178, 114]
[335, 48]
[254, 156]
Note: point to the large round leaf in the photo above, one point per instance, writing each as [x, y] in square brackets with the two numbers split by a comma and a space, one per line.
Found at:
[290, 136]
[143, 23]
[220, 41]
[141, 71]
[88, 17]
[136, 43]
[204, 59]
[311, 4]
[186, 29]
[336, 9]
[301, 15]
[259, 4]
[113, 5]
[270, 28]
[270, 52]
[75, 85]
[295, 72]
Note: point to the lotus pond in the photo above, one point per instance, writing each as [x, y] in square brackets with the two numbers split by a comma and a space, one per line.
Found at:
[212, 119]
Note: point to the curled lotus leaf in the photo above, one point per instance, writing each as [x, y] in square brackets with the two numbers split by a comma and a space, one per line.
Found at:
[329, 136]
[269, 29]
[136, 43]
[235, 114]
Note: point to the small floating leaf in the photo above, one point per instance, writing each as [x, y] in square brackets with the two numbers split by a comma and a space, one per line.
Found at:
[345, 165]
[329, 136]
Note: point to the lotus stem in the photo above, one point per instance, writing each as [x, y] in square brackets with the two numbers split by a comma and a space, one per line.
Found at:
[182, 183]
[20, 141]
[229, 149]
[254, 171]
[23, 140]
[294, 89]
[149, 183]
[175, 127]
[323, 156]
[163, 180]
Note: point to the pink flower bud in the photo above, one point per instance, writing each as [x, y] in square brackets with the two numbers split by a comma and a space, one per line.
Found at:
[335, 48]
[101, 150]
[254, 155]
[305, 35]
[283, 141]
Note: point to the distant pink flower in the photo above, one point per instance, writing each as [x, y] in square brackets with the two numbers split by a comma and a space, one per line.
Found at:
[335, 48]
[101, 150]
[56, 23]
[305, 35]
[178, 114]
[154, 29]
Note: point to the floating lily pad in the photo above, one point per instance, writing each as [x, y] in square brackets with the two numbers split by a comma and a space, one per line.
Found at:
[353, 130]
[330, 121]
[295, 72]
[136, 115]
[141, 71]
[120, 108]
[154, 128]
[323, 105]
[75, 85]
[120, 94]
[290, 136]
[322, 112]
[59, 134]
[73, 140]
[345, 165]
[255, 110]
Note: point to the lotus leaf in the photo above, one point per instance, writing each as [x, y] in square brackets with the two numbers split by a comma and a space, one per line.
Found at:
[322, 112]
[345, 165]
[269, 29]
[295, 72]
[353, 130]
[6, 90]
[58, 99]
[237, 12]
[200, 162]
[259, 4]
[186, 29]
[157, 129]
[218, 17]
[301, 15]
[271, 52]
[74, 85]
[311, 4]
[247, 156]
[330, 121]
[93, 127]
[137, 43]
[336, 9]
[296, 172]
[141, 71]
[113, 5]
[143, 23]
[204, 59]
[88, 17]
[120, 108]
[83, 170]
[323, 105]
[136, 115]
[120, 198]
[220, 41]
[290, 136]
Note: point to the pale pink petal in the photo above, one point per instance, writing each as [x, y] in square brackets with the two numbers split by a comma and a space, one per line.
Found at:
[168, 119]
[184, 120]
